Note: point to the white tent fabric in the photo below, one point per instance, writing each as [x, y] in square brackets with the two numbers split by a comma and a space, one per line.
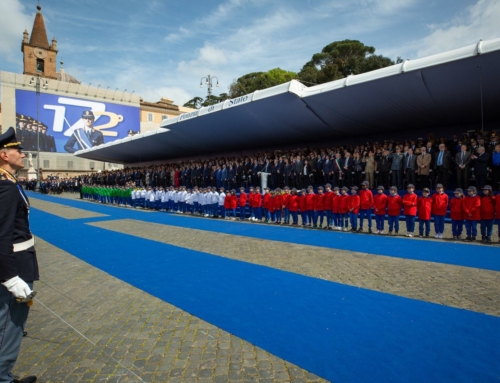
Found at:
[436, 91]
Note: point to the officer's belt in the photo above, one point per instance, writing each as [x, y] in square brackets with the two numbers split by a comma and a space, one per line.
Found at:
[24, 245]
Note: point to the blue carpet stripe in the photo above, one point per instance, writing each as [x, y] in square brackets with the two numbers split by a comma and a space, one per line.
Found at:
[339, 332]
[459, 254]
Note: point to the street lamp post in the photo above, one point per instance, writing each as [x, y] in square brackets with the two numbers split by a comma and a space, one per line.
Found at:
[209, 81]
[36, 82]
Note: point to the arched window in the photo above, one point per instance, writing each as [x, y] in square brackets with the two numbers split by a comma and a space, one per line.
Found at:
[40, 65]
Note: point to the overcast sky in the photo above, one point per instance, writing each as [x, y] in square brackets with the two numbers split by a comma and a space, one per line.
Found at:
[163, 47]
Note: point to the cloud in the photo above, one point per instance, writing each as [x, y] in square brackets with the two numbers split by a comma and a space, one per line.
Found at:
[177, 37]
[13, 22]
[479, 21]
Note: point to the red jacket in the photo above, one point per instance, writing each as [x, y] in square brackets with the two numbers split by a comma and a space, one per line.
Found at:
[353, 202]
[457, 209]
[227, 201]
[234, 201]
[251, 199]
[380, 204]
[366, 197]
[439, 203]
[286, 200]
[394, 205]
[243, 199]
[335, 203]
[293, 203]
[310, 197]
[267, 201]
[319, 202]
[343, 203]
[270, 205]
[497, 205]
[278, 202]
[302, 203]
[424, 206]
[487, 207]
[257, 200]
[410, 204]
[328, 200]
[472, 208]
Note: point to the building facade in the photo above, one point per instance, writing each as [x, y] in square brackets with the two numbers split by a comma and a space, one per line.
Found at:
[48, 107]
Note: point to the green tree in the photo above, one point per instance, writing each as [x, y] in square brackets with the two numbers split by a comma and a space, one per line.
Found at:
[251, 82]
[340, 59]
[194, 103]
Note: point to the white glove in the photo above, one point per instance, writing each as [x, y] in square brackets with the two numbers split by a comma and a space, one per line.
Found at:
[17, 287]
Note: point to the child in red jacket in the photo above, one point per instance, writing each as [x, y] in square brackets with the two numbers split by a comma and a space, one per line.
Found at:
[243, 203]
[380, 208]
[278, 205]
[310, 197]
[457, 213]
[266, 202]
[439, 207]
[328, 206]
[410, 209]
[394, 205]
[286, 205]
[365, 207]
[353, 203]
[271, 208]
[302, 207]
[487, 213]
[344, 210]
[319, 207]
[424, 208]
[257, 203]
[336, 208]
[472, 213]
[233, 202]
[251, 202]
[293, 206]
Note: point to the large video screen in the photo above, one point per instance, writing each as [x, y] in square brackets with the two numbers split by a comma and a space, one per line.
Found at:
[65, 124]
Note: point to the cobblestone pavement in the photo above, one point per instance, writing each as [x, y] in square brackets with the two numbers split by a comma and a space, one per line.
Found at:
[63, 211]
[457, 286]
[87, 326]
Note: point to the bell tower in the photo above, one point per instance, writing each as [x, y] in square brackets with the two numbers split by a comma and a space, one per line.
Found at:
[39, 56]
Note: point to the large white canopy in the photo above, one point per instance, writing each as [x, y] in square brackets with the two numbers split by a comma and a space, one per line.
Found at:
[436, 91]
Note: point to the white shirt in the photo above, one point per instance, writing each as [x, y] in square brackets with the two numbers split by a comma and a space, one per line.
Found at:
[222, 197]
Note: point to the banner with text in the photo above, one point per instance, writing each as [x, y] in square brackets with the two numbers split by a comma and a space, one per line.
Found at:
[58, 123]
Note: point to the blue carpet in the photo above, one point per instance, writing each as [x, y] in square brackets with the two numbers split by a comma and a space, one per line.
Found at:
[341, 333]
[459, 254]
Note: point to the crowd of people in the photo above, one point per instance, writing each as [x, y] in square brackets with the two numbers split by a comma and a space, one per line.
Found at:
[453, 162]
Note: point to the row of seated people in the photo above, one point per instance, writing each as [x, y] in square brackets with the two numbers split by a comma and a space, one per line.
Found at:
[451, 162]
[330, 207]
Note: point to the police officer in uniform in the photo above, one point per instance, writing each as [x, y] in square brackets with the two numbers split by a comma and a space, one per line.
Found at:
[86, 137]
[18, 263]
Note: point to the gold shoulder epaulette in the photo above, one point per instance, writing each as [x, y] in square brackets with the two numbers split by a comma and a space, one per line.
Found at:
[6, 176]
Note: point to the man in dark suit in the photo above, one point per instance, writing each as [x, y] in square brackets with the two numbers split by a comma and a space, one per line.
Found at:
[297, 171]
[337, 170]
[442, 165]
[462, 161]
[18, 262]
[86, 137]
[409, 166]
[327, 170]
[347, 169]
[481, 163]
